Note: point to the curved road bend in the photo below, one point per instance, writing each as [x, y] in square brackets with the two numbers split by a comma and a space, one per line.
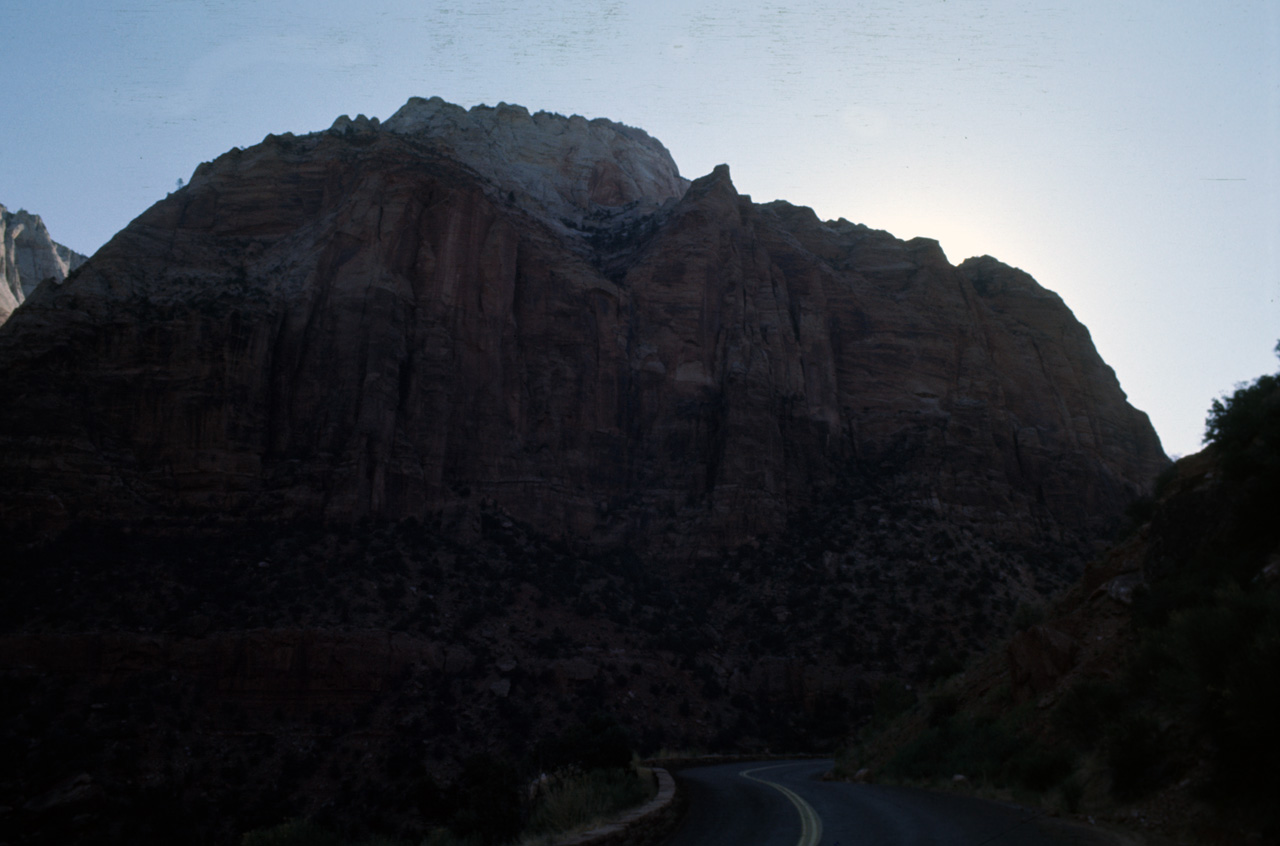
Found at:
[768, 803]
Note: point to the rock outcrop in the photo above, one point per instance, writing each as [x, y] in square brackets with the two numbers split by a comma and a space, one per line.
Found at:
[718, 468]
[28, 256]
[1039, 657]
[566, 170]
[409, 318]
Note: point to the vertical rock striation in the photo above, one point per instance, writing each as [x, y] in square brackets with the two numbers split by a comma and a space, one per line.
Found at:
[28, 256]
[409, 318]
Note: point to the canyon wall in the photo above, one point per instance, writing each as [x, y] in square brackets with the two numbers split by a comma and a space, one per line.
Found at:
[28, 256]
[391, 320]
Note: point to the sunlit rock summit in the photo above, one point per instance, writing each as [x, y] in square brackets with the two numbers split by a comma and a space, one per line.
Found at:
[28, 256]
[456, 308]
[570, 171]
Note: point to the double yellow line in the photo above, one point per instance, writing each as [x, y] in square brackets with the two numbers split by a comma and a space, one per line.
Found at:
[810, 822]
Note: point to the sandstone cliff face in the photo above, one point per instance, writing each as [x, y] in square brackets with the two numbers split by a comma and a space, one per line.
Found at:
[412, 318]
[567, 170]
[27, 257]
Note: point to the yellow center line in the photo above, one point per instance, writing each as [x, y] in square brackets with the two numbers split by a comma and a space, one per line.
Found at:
[810, 822]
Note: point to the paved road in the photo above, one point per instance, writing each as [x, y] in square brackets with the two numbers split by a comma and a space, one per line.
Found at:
[769, 803]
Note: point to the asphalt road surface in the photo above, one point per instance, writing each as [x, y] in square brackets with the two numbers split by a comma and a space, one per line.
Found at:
[771, 803]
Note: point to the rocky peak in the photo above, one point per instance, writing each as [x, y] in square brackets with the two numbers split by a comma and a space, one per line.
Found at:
[28, 256]
[451, 307]
[717, 180]
[567, 169]
[990, 277]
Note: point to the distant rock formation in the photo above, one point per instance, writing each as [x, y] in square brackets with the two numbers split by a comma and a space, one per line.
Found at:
[564, 168]
[451, 307]
[407, 440]
[28, 256]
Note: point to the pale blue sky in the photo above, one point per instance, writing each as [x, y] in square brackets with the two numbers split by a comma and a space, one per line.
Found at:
[1124, 152]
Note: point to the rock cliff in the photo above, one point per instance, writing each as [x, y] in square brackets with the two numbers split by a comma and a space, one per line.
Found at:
[566, 170]
[406, 319]
[1151, 676]
[378, 447]
[28, 256]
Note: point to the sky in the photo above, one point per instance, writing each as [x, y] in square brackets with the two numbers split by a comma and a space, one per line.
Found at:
[1126, 153]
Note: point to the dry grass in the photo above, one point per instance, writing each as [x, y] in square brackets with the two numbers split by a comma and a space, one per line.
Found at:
[580, 801]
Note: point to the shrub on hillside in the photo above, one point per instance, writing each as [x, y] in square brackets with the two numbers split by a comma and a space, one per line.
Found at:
[598, 743]
[981, 748]
[1245, 427]
[1251, 411]
[1086, 709]
[1134, 755]
[487, 801]
[292, 833]
[1233, 648]
[1040, 767]
[1027, 615]
[578, 800]
[893, 697]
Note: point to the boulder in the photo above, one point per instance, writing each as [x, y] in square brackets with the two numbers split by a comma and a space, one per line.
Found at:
[1039, 656]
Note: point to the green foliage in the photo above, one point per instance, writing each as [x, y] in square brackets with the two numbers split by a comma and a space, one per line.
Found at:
[1086, 709]
[307, 833]
[985, 748]
[1246, 429]
[1220, 662]
[292, 833]
[943, 666]
[446, 837]
[1204, 676]
[1139, 511]
[599, 743]
[488, 801]
[1208, 662]
[1249, 412]
[1027, 615]
[1166, 478]
[1210, 629]
[1134, 753]
[1073, 793]
[942, 707]
[575, 801]
[1243, 721]
[893, 697]
[1040, 767]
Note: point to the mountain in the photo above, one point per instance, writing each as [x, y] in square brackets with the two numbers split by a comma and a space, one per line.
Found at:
[1145, 695]
[360, 323]
[378, 447]
[28, 256]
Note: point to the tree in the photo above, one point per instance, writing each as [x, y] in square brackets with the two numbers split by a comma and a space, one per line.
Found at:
[1251, 413]
[1245, 429]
